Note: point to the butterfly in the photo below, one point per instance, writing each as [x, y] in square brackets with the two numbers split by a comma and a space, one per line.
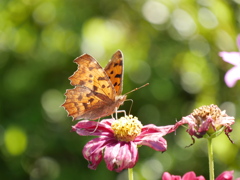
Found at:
[97, 91]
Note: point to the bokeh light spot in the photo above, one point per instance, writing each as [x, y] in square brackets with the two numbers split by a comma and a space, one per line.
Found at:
[100, 35]
[229, 107]
[224, 41]
[151, 169]
[183, 23]
[155, 12]
[207, 18]
[44, 13]
[192, 82]
[45, 168]
[51, 101]
[15, 140]
[199, 45]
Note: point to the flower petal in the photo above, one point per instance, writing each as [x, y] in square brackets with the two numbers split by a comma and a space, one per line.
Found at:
[93, 128]
[120, 155]
[226, 175]
[188, 176]
[192, 176]
[190, 120]
[168, 176]
[232, 76]
[154, 141]
[231, 57]
[151, 136]
[205, 126]
[93, 151]
[161, 130]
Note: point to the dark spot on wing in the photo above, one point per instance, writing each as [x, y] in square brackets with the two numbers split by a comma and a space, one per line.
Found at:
[90, 81]
[88, 95]
[95, 88]
[120, 63]
[90, 75]
[111, 72]
[101, 78]
[81, 83]
[91, 100]
[103, 86]
[85, 105]
[115, 84]
[91, 68]
[118, 75]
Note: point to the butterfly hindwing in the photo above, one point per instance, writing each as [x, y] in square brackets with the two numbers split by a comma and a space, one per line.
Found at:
[81, 102]
[114, 70]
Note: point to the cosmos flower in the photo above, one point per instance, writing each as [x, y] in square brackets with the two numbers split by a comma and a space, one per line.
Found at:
[207, 121]
[118, 141]
[226, 175]
[188, 176]
[233, 58]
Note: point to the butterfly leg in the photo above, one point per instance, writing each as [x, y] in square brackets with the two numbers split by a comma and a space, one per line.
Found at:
[112, 116]
[130, 106]
[120, 111]
[96, 126]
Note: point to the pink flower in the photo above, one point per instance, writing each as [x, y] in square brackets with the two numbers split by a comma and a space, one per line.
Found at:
[118, 141]
[207, 121]
[226, 175]
[233, 58]
[188, 176]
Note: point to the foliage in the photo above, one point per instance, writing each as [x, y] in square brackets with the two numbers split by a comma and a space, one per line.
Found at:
[173, 45]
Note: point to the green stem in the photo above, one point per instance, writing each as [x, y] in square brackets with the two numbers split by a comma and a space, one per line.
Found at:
[210, 159]
[130, 173]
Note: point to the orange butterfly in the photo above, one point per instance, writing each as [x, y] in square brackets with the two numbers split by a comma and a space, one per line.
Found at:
[97, 91]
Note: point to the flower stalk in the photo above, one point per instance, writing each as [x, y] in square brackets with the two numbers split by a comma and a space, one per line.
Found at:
[210, 159]
[130, 173]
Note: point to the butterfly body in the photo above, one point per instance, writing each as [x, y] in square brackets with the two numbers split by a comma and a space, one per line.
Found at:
[97, 91]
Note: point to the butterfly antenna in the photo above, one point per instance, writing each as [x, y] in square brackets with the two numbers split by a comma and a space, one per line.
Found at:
[137, 88]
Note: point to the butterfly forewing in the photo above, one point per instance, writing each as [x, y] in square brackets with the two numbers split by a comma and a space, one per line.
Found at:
[114, 70]
[91, 75]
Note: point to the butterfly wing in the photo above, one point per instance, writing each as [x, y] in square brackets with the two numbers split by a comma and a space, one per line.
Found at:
[83, 103]
[91, 75]
[94, 95]
[114, 70]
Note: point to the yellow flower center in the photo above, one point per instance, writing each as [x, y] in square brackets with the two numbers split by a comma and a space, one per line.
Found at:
[127, 128]
[205, 111]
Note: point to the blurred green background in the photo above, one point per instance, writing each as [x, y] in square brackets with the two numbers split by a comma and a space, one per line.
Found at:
[172, 44]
